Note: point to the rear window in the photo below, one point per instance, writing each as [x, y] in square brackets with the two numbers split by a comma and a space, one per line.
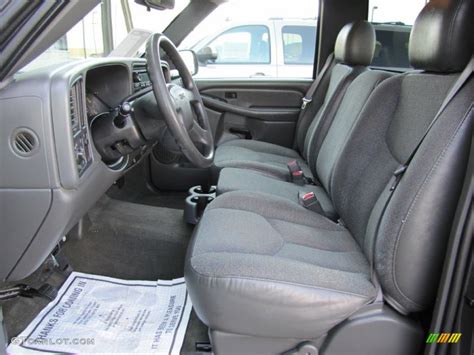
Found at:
[299, 44]
[393, 21]
[391, 49]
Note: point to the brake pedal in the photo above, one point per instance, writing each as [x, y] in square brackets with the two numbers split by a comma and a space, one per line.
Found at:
[12, 292]
[203, 347]
[48, 291]
[59, 261]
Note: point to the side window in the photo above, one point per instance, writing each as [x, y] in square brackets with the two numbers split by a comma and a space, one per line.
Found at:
[299, 43]
[242, 45]
[393, 21]
[244, 39]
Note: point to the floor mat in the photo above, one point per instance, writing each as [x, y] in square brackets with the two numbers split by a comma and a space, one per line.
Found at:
[135, 188]
[102, 314]
[131, 241]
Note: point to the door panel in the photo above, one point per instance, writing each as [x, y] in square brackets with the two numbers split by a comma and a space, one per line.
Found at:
[265, 110]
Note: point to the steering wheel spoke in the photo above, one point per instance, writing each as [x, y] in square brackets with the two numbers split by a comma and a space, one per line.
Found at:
[198, 134]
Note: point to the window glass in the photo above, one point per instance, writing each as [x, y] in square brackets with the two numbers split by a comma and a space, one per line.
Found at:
[82, 41]
[393, 21]
[299, 44]
[242, 45]
[141, 18]
[252, 39]
[86, 38]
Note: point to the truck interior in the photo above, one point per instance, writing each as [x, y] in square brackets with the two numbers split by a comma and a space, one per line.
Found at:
[322, 215]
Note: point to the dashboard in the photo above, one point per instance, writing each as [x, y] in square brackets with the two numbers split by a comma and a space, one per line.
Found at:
[52, 172]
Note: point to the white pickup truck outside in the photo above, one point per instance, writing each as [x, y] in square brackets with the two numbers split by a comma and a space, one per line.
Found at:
[279, 48]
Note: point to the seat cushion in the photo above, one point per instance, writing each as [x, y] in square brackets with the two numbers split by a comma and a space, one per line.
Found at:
[268, 158]
[288, 273]
[234, 179]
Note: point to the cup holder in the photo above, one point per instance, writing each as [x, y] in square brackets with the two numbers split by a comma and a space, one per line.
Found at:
[198, 190]
[196, 203]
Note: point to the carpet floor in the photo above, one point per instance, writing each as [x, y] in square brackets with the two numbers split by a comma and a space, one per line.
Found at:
[123, 239]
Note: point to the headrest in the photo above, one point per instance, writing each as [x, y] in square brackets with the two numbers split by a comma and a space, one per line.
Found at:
[441, 39]
[355, 44]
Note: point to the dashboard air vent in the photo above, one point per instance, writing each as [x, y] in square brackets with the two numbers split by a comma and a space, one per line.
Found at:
[76, 102]
[24, 142]
[79, 125]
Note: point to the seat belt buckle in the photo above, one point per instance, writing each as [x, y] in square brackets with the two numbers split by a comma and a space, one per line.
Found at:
[296, 173]
[293, 166]
[308, 200]
[298, 177]
[305, 102]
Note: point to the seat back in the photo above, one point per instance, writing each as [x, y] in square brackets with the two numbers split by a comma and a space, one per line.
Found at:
[330, 146]
[410, 243]
[353, 52]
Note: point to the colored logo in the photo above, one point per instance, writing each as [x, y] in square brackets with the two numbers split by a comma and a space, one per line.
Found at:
[442, 338]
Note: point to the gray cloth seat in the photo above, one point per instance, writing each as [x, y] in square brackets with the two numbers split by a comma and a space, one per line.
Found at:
[353, 52]
[286, 264]
[232, 179]
[329, 152]
[270, 159]
[261, 265]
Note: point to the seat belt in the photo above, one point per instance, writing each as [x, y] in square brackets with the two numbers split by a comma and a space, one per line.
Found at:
[460, 81]
[3, 333]
[400, 171]
[314, 86]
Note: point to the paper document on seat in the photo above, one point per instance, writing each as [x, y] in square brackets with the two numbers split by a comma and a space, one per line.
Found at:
[97, 314]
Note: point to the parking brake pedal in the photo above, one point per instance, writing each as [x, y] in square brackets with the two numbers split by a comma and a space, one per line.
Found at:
[21, 290]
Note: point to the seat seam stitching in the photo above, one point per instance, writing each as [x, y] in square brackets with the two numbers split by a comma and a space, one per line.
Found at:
[394, 111]
[325, 250]
[275, 281]
[259, 172]
[359, 272]
[306, 225]
[282, 257]
[320, 248]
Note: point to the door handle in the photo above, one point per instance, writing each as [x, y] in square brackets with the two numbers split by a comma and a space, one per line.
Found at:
[230, 95]
[241, 131]
[257, 74]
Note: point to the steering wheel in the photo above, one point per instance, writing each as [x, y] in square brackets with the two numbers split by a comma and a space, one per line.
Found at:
[181, 105]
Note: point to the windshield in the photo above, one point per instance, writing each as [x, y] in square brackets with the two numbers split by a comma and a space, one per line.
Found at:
[88, 38]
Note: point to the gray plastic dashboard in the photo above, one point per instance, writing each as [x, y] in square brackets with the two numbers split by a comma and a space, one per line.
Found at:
[50, 171]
